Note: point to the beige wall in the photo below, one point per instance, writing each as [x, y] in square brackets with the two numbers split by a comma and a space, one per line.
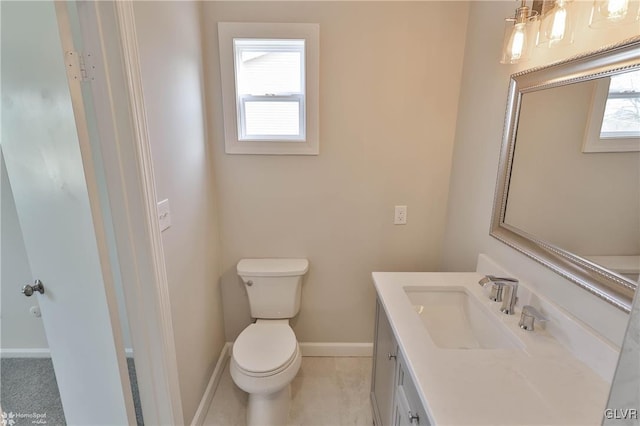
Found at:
[171, 60]
[389, 79]
[587, 203]
[476, 153]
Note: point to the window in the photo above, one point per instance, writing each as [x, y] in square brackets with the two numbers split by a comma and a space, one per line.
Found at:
[270, 87]
[614, 121]
[621, 117]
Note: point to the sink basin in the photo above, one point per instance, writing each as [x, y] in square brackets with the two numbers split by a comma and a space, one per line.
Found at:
[455, 319]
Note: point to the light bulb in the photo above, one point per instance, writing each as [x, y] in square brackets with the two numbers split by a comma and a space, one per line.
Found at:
[559, 24]
[617, 9]
[606, 13]
[516, 44]
[518, 33]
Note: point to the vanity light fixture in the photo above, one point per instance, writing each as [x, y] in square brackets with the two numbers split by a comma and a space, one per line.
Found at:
[556, 27]
[614, 12]
[519, 35]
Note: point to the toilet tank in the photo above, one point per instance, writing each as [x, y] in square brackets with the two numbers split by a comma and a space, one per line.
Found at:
[273, 285]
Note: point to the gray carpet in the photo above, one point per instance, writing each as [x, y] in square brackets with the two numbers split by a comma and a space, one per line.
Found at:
[29, 390]
[134, 390]
[28, 386]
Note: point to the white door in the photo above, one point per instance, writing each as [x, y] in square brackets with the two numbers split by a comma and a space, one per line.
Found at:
[51, 171]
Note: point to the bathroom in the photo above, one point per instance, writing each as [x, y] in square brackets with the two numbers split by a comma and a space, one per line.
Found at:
[411, 112]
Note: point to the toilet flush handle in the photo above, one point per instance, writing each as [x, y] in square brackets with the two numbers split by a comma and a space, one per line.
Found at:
[249, 283]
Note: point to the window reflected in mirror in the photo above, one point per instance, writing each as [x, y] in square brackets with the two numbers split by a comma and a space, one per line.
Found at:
[613, 124]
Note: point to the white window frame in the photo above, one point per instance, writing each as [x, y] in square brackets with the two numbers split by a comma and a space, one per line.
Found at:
[236, 142]
[593, 141]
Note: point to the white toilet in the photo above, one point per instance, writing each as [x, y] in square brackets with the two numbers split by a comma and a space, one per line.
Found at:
[266, 356]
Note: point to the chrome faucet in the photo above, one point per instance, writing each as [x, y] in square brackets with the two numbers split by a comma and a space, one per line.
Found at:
[503, 290]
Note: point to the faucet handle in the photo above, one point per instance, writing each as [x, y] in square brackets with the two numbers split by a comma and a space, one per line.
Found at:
[529, 316]
[495, 292]
[485, 280]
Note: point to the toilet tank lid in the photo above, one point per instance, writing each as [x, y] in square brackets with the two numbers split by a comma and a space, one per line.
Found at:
[272, 267]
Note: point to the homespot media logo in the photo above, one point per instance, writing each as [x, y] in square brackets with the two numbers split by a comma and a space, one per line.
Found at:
[10, 418]
[621, 413]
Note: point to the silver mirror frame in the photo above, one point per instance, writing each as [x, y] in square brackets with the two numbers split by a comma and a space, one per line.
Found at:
[599, 281]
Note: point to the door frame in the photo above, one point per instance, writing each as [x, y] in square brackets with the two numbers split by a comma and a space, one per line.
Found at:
[108, 34]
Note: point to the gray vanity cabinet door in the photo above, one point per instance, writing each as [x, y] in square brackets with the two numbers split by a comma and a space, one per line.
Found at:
[408, 409]
[384, 370]
[401, 409]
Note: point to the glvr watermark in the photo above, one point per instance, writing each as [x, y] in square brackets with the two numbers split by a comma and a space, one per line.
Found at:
[11, 418]
[621, 414]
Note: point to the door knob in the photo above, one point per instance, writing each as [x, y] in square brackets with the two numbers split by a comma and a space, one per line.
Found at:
[28, 290]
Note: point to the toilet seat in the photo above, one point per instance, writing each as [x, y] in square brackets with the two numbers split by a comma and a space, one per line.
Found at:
[265, 348]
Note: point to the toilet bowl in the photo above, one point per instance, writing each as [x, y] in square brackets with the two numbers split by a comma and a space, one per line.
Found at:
[266, 355]
[265, 359]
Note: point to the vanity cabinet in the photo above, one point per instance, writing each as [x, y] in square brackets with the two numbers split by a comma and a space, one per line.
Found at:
[394, 397]
[385, 350]
[408, 410]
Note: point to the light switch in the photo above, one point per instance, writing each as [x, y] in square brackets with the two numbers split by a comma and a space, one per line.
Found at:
[164, 214]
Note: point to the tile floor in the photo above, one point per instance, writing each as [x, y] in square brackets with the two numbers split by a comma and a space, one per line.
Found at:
[326, 392]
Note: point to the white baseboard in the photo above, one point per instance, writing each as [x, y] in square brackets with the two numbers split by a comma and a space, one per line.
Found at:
[39, 353]
[205, 402]
[336, 349]
[25, 353]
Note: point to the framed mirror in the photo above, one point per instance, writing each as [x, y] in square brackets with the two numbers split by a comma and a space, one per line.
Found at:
[568, 189]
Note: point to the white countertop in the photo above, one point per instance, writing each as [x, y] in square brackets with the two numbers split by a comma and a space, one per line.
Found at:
[542, 384]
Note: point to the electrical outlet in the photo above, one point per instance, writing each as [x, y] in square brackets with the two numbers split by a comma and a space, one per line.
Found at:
[400, 217]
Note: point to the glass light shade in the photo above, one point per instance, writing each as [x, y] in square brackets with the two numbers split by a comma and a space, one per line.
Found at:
[605, 13]
[519, 38]
[557, 25]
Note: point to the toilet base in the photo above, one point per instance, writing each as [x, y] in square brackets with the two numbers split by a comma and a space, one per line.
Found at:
[270, 409]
